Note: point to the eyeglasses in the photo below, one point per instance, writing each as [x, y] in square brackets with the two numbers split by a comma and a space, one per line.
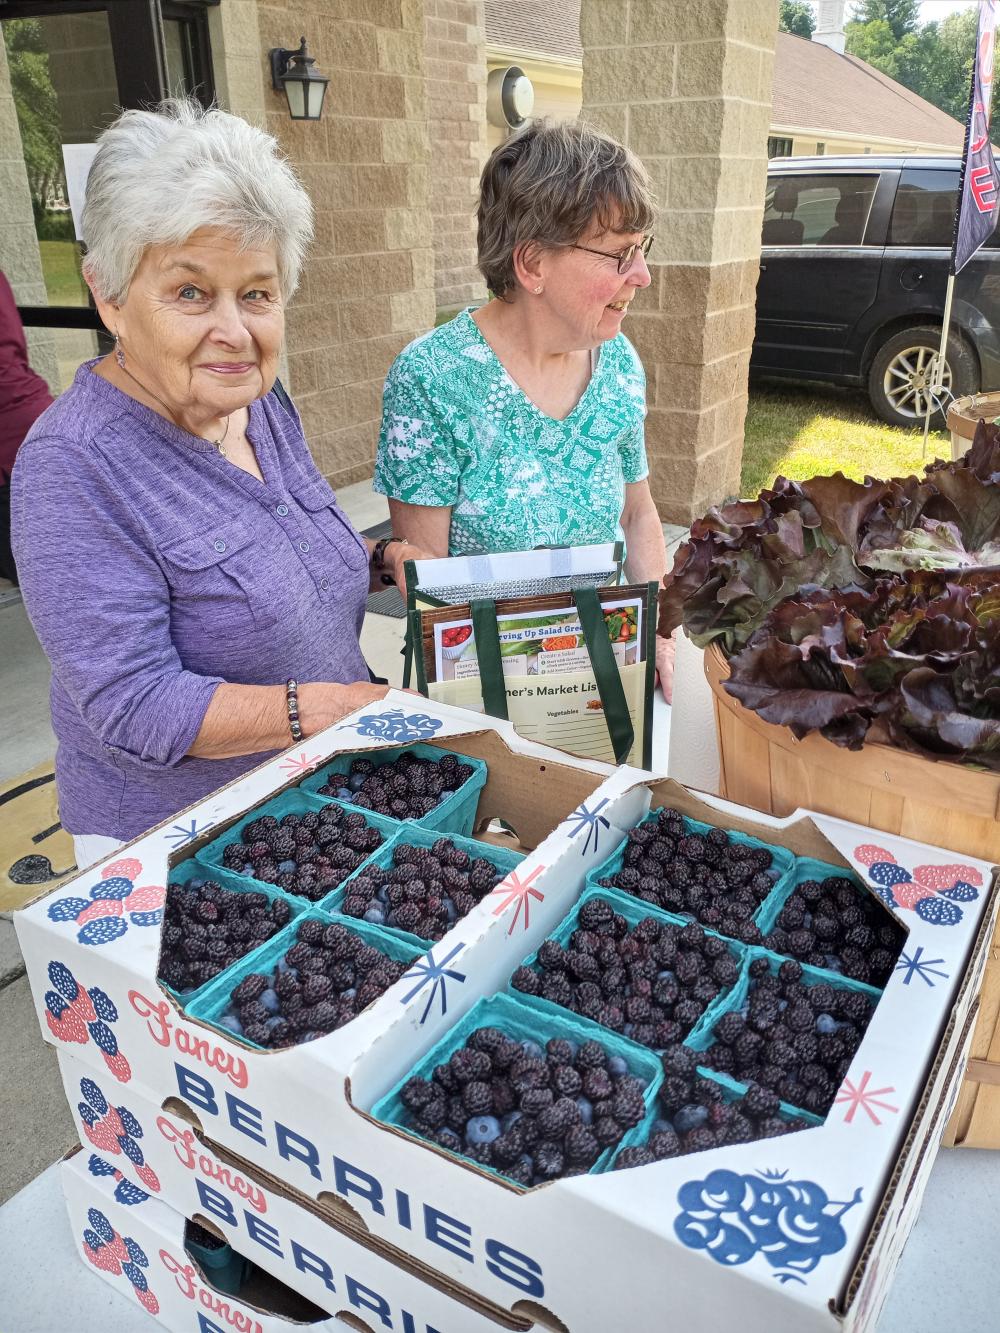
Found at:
[624, 257]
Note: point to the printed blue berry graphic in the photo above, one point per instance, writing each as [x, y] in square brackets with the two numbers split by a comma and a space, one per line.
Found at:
[395, 725]
[887, 873]
[792, 1224]
[937, 912]
[114, 902]
[961, 893]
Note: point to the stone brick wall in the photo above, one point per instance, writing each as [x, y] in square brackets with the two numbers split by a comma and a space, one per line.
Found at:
[368, 285]
[455, 62]
[688, 88]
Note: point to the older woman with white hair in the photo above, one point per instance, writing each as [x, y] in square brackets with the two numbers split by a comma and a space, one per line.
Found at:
[192, 579]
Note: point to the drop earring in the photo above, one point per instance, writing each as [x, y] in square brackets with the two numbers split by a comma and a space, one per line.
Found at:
[119, 354]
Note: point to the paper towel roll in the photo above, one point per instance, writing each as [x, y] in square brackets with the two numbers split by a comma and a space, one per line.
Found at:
[694, 752]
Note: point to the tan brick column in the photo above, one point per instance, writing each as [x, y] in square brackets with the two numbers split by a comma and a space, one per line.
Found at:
[368, 285]
[455, 52]
[687, 85]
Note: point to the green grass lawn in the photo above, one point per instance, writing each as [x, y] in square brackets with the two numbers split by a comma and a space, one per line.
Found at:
[61, 269]
[806, 430]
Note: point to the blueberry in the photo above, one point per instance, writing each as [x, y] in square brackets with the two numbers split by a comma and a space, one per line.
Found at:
[532, 1050]
[269, 999]
[451, 911]
[232, 1024]
[247, 868]
[382, 895]
[666, 975]
[617, 1065]
[375, 914]
[661, 1127]
[689, 1118]
[833, 963]
[482, 1129]
[782, 1004]
[511, 1118]
[807, 920]
[586, 1110]
[348, 994]
[356, 781]
[628, 1029]
[285, 866]
[344, 793]
[826, 1024]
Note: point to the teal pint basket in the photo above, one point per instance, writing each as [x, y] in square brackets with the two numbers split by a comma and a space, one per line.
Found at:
[411, 835]
[194, 869]
[289, 802]
[523, 1022]
[214, 999]
[224, 1269]
[782, 860]
[806, 867]
[455, 815]
[633, 910]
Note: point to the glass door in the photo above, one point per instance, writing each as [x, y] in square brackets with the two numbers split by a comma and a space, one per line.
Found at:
[69, 65]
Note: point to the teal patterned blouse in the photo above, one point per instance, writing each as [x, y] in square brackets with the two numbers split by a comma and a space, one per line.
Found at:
[457, 430]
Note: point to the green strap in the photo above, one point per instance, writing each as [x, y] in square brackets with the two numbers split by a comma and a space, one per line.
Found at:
[484, 626]
[606, 673]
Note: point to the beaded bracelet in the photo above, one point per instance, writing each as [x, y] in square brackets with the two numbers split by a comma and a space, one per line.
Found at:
[292, 703]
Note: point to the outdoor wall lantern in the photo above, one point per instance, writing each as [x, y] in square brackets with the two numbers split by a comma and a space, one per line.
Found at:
[304, 87]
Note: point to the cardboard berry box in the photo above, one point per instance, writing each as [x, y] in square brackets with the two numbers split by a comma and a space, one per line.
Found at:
[790, 1234]
[137, 1246]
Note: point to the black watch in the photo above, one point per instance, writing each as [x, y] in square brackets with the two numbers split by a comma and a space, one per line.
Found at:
[378, 550]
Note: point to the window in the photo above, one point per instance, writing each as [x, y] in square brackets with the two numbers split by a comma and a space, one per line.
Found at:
[820, 149]
[817, 209]
[924, 209]
[778, 147]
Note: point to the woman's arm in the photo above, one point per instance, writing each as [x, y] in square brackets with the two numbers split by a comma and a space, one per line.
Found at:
[646, 562]
[423, 526]
[249, 719]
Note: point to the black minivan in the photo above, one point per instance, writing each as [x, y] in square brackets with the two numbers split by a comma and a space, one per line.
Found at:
[854, 262]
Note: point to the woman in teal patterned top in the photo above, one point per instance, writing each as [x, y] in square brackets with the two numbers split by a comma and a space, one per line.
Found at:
[520, 424]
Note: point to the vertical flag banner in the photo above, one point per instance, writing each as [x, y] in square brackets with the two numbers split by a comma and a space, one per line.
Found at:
[979, 194]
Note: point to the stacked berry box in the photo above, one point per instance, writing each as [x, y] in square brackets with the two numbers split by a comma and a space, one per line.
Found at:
[433, 788]
[702, 1233]
[530, 1095]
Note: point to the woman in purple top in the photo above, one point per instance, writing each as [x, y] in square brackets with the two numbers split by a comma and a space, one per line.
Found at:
[181, 557]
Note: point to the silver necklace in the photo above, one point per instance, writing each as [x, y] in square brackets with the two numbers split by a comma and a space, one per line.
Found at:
[216, 444]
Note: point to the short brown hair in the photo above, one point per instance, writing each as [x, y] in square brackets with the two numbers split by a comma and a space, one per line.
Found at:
[546, 184]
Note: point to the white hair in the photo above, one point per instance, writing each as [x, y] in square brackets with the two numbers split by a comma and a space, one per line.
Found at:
[158, 176]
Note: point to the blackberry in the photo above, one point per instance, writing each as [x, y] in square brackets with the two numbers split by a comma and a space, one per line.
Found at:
[549, 1160]
[679, 1060]
[699, 1140]
[477, 1098]
[759, 1102]
[607, 1131]
[628, 1107]
[556, 1119]
[250, 988]
[635, 1156]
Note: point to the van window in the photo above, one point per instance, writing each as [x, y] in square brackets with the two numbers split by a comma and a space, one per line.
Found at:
[817, 210]
[923, 212]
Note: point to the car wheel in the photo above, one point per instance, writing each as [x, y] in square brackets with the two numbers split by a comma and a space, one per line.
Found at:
[899, 380]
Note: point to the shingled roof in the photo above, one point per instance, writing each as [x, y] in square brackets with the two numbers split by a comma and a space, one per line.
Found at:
[819, 89]
[815, 88]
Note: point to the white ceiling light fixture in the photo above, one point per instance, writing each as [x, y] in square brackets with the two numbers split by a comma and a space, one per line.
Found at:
[510, 97]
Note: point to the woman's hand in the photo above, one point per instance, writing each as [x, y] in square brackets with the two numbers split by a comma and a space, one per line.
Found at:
[665, 653]
[396, 556]
[320, 705]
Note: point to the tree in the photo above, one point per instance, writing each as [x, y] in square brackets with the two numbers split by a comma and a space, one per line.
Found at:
[37, 108]
[902, 16]
[796, 17]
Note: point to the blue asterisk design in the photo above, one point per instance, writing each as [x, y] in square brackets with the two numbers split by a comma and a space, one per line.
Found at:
[436, 974]
[919, 966]
[180, 835]
[395, 725]
[592, 821]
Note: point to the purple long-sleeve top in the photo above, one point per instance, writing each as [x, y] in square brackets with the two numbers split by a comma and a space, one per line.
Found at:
[153, 570]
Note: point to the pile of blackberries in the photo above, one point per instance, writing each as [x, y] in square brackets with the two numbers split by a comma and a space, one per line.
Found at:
[532, 1113]
[831, 923]
[403, 788]
[652, 981]
[308, 854]
[424, 891]
[327, 977]
[207, 927]
[696, 1115]
[794, 1038]
[708, 876]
